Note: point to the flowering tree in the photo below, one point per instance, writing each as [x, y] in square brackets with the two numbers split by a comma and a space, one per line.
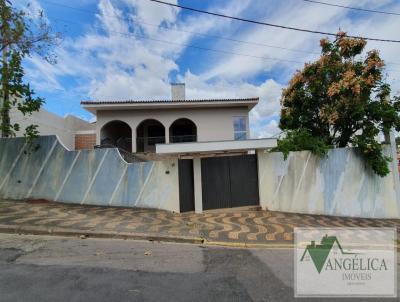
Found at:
[340, 100]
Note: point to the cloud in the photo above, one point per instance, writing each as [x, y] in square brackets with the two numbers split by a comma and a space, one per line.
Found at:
[269, 129]
[121, 55]
[150, 12]
[34, 10]
[122, 60]
[268, 107]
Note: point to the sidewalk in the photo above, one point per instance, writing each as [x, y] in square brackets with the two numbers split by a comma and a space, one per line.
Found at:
[241, 228]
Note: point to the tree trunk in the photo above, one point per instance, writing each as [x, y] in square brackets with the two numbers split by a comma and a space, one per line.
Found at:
[344, 138]
[5, 99]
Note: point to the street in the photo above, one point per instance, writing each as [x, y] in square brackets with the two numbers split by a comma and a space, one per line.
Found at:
[46, 268]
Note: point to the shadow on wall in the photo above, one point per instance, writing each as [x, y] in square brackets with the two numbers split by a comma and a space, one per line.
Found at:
[339, 184]
[96, 177]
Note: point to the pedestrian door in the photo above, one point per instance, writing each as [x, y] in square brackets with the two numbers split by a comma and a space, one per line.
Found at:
[186, 185]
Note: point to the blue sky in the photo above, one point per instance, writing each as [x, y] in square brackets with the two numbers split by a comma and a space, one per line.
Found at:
[133, 49]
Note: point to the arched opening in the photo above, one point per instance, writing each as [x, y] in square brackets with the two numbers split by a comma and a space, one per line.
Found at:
[116, 134]
[148, 134]
[183, 130]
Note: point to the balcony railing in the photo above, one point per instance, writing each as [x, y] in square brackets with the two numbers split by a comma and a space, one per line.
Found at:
[122, 143]
[150, 140]
[153, 140]
[182, 138]
[148, 144]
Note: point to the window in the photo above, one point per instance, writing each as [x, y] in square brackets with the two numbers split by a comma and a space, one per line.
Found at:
[240, 127]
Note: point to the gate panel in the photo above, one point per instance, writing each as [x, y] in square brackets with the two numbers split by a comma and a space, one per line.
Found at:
[186, 185]
[229, 181]
[244, 180]
[215, 183]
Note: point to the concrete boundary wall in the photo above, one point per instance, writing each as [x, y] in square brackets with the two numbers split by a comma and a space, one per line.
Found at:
[96, 177]
[339, 184]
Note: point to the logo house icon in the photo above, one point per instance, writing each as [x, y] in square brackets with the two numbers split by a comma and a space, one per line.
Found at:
[320, 252]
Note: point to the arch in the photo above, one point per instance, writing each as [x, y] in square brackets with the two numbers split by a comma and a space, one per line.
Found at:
[183, 130]
[149, 133]
[116, 134]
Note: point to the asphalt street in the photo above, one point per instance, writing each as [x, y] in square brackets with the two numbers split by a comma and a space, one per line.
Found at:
[46, 268]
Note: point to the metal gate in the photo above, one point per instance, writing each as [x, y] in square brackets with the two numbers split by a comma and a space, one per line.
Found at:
[229, 181]
[186, 185]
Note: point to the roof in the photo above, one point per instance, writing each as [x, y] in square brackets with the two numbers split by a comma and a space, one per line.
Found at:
[169, 101]
[156, 104]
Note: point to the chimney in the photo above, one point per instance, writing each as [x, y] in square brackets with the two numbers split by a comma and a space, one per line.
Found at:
[178, 91]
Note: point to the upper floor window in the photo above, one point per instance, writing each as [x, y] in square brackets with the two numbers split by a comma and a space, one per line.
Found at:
[240, 127]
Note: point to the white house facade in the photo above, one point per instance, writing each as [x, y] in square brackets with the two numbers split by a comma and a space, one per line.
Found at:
[146, 123]
[137, 126]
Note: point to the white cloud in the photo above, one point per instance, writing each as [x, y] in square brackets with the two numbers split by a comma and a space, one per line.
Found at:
[268, 107]
[271, 129]
[118, 62]
[153, 13]
[34, 10]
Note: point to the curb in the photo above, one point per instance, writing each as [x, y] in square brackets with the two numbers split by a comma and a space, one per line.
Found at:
[29, 230]
[39, 230]
[250, 245]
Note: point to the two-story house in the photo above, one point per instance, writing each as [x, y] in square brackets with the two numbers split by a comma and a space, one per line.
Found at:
[137, 126]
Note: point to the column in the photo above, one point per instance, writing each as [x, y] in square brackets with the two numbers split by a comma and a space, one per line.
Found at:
[198, 195]
[133, 139]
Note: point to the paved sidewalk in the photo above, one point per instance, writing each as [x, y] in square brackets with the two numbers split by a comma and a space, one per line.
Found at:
[250, 228]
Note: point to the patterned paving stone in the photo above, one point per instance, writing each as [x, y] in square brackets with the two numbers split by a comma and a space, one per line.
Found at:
[250, 227]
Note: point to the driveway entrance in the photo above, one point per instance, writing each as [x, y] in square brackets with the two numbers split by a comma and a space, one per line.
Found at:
[229, 181]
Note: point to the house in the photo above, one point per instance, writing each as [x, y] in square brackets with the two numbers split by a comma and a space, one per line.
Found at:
[178, 154]
[208, 138]
[178, 125]
[66, 128]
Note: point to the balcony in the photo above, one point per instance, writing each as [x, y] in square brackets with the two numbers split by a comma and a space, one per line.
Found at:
[148, 144]
[182, 138]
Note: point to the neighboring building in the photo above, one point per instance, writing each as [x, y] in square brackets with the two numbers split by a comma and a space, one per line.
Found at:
[69, 129]
[137, 126]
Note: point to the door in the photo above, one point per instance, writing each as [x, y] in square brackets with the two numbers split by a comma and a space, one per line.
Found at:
[229, 181]
[215, 183]
[244, 180]
[186, 185]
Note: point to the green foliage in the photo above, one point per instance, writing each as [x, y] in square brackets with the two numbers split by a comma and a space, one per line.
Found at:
[20, 36]
[371, 150]
[31, 133]
[298, 140]
[340, 100]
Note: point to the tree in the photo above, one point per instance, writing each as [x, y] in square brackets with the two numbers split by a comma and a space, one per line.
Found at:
[21, 35]
[340, 100]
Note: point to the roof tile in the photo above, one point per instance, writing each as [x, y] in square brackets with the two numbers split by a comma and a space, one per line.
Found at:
[169, 101]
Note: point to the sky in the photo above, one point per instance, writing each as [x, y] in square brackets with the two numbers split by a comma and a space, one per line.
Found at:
[134, 49]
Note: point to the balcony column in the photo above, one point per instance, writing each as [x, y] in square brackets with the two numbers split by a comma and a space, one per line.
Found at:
[166, 136]
[166, 125]
[133, 139]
